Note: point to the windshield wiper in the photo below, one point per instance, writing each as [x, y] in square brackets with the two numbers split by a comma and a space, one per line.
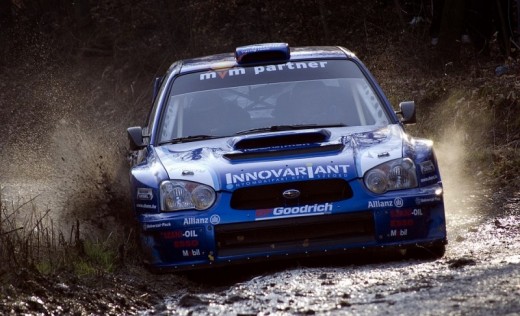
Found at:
[187, 139]
[277, 128]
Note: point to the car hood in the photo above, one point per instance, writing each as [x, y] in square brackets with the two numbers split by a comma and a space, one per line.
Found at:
[268, 158]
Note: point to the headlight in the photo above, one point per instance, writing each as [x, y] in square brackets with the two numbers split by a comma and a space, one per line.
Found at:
[392, 175]
[182, 195]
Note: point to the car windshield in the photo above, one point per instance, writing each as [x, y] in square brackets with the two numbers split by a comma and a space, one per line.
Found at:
[236, 100]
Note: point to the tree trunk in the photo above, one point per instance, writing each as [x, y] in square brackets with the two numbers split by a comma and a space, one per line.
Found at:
[5, 13]
[451, 28]
[81, 12]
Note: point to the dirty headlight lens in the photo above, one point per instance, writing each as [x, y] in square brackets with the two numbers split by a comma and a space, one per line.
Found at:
[392, 175]
[182, 195]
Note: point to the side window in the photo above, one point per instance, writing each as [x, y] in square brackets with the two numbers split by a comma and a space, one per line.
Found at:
[158, 92]
[367, 105]
[171, 129]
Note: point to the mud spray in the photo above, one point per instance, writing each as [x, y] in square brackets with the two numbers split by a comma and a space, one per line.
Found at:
[64, 151]
[462, 194]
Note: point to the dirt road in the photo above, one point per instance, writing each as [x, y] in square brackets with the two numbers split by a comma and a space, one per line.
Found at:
[479, 275]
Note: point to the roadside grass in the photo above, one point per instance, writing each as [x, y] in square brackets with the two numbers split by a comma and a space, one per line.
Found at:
[99, 258]
[29, 239]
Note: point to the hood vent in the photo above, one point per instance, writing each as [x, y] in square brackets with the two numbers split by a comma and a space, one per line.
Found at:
[291, 151]
[279, 141]
[278, 145]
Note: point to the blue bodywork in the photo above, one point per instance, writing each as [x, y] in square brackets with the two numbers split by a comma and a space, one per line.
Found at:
[250, 220]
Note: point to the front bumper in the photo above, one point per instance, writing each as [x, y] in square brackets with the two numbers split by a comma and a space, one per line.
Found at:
[222, 236]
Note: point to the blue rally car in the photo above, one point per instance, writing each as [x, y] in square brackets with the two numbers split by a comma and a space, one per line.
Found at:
[278, 151]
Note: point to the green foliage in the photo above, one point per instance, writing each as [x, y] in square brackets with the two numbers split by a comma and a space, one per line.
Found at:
[99, 257]
[84, 269]
[45, 267]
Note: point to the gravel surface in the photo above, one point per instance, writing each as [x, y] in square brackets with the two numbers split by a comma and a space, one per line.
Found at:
[479, 275]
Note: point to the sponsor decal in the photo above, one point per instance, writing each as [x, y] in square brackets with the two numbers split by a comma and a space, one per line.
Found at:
[157, 225]
[397, 202]
[185, 240]
[195, 220]
[147, 206]
[417, 212]
[179, 234]
[277, 147]
[258, 70]
[427, 200]
[398, 232]
[290, 66]
[430, 178]
[188, 173]
[191, 243]
[397, 223]
[191, 252]
[222, 73]
[406, 213]
[427, 167]
[264, 212]
[304, 210]
[144, 194]
[285, 174]
[214, 219]
[374, 204]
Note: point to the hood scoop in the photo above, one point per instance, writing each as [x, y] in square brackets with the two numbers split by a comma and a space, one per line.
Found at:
[276, 145]
[280, 140]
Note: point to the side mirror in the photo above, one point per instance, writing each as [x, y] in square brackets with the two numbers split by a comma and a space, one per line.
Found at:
[135, 135]
[407, 111]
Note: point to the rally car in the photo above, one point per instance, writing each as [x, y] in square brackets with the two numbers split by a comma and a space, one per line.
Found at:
[276, 152]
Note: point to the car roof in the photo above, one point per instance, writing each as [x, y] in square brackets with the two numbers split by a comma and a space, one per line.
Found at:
[228, 60]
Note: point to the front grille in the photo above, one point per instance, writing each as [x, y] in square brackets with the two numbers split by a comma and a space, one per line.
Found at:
[294, 234]
[311, 192]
